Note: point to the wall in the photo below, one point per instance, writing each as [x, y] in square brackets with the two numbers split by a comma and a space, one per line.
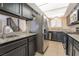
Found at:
[24, 25]
[57, 28]
[3, 21]
[64, 27]
[28, 25]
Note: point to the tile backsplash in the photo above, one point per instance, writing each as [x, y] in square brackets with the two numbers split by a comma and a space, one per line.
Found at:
[2, 21]
[24, 25]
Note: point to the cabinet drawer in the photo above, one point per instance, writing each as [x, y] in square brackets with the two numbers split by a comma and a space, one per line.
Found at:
[7, 47]
[75, 52]
[20, 51]
[31, 48]
[31, 38]
[76, 44]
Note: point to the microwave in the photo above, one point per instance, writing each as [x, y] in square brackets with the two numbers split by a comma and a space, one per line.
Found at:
[74, 17]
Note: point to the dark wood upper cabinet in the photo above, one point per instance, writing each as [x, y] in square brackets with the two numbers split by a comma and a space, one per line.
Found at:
[21, 10]
[12, 7]
[74, 19]
[26, 11]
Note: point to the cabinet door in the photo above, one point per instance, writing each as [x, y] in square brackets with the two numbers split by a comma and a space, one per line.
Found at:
[54, 36]
[31, 48]
[0, 4]
[10, 46]
[26, 50]
[70, 49]
[35, 43]
[12, 7]
[50, 35]
[76, 48]
[59, 36]
[65, 43]
[65, 38]
[70, 46]
[27, 11]
[75, 51]
[20, 51]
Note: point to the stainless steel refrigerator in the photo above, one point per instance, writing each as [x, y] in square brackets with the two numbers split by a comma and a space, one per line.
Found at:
[39, 26]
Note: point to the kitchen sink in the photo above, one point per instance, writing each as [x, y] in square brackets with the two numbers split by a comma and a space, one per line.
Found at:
[11, 36]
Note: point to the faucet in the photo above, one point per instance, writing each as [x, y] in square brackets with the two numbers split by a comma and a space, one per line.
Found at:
[3, 32]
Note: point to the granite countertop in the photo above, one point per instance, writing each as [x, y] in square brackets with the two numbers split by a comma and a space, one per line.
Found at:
[74, 36]
[20, 35]
[62, 31]
[55, 30]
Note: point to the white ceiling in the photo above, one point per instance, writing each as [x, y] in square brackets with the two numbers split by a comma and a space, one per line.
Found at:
[53, 9]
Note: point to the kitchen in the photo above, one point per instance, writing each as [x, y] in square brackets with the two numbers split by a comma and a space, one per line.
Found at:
[33, 29]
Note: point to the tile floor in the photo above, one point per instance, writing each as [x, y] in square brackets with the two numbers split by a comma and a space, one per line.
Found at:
[54, 49]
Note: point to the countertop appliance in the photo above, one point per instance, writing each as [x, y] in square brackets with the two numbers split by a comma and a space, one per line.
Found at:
[74, 17]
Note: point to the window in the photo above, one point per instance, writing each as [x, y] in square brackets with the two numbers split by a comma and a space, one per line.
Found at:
[56, 22]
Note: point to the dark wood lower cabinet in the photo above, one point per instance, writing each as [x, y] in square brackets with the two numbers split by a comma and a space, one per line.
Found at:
[60, 36]
[75, 51]
[70, 46]
[21, 47]
[4, 48]
[54, 36]
[32, 45]
[20, 51]
[57, 36]
[31, 48]
[75, 48]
